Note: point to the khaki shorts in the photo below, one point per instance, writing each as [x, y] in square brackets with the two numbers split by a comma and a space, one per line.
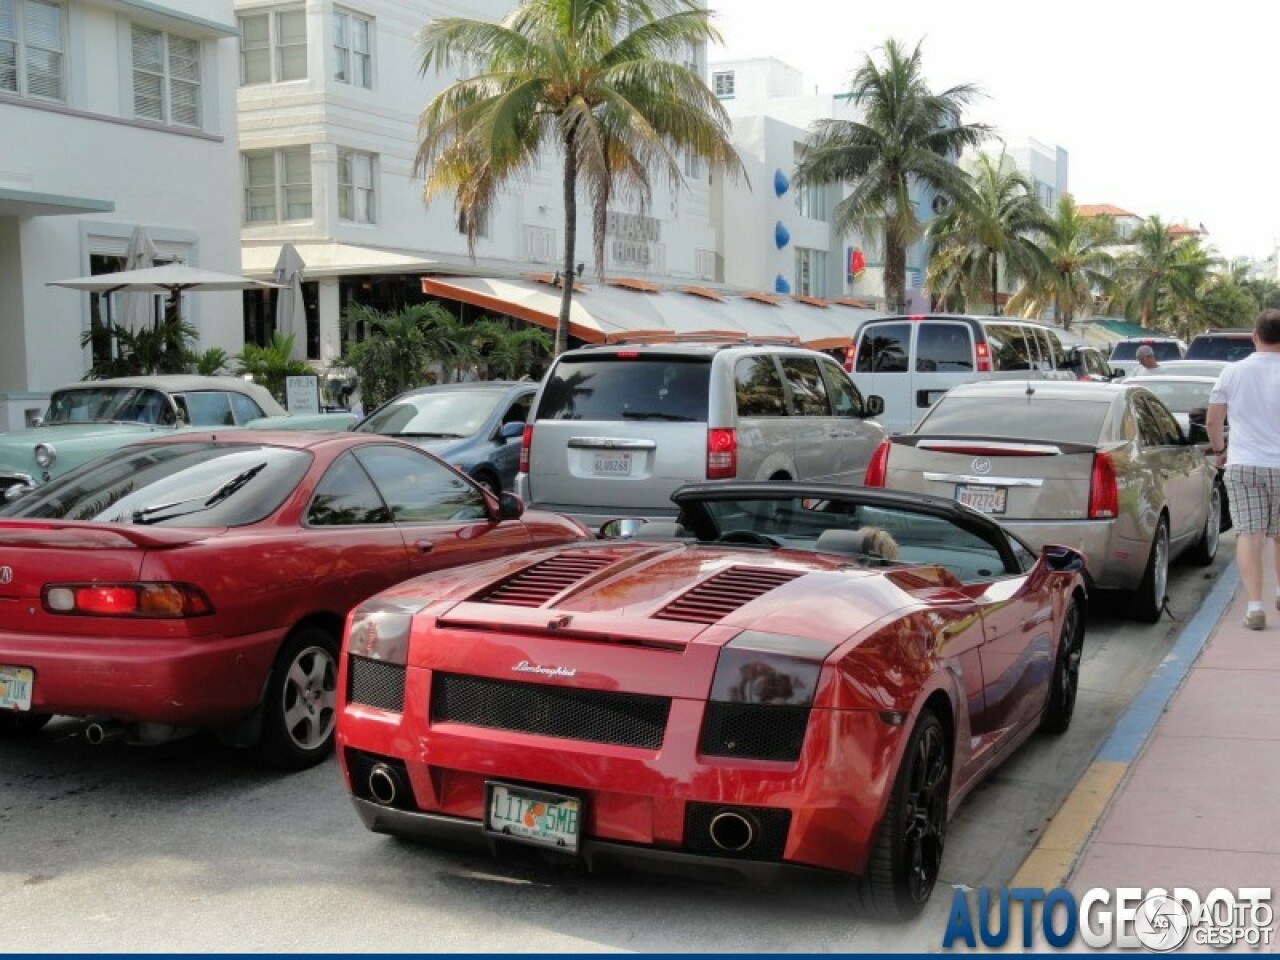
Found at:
[1254, 493]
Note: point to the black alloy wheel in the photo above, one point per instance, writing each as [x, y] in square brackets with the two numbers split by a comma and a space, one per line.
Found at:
[1066, 673]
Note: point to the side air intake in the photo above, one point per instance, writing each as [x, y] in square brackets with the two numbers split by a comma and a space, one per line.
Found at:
[535, 585]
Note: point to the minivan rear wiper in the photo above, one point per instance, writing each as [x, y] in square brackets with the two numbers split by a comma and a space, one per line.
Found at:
[654, 415]
[157, 513]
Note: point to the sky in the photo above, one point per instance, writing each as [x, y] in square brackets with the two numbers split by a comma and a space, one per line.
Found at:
[1161, 112]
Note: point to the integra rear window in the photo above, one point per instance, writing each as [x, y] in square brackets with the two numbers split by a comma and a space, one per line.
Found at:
[627, 388]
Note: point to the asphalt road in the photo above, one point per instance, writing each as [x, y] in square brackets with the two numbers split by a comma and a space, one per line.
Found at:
[191, 847]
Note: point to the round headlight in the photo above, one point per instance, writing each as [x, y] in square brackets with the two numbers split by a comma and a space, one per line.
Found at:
[45, 455]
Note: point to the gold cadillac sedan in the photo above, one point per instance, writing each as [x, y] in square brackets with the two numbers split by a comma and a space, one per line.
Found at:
[1100, 467]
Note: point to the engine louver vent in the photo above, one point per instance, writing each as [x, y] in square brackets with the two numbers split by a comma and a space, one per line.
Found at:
[536, 585]
[717, 597]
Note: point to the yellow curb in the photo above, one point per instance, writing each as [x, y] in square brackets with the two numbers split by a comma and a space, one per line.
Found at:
[1051, 860]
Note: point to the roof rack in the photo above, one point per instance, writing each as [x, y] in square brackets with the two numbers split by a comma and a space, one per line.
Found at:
[695, 336]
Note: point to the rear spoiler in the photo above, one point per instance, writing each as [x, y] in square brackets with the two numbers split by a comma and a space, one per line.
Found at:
[92, 535]
[979, 446]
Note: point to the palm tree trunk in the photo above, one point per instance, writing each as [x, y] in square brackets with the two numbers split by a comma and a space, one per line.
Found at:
[570, 240]
[995, 282]
[895, 272]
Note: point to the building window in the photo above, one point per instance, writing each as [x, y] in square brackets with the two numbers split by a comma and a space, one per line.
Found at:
[1045, 194]
[277, 185]
[722, 83]
[31, 48]
[273, 47]
[811, 272]
[356, 192]
[352, 49]
[166, 77]
[482, 223]
[692, 166]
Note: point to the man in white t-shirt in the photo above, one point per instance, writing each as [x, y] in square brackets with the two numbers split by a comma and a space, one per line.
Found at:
[1249, 392]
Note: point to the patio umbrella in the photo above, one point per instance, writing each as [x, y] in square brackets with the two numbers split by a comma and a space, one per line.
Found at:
[138, 309]
[291, 312]
[173, 279]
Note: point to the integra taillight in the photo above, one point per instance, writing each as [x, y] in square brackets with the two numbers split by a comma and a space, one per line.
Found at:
[164, 601]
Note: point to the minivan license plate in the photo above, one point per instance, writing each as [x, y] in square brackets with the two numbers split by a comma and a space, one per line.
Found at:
[15, 687]
[533, 816]
[981, 497]
[611, 464]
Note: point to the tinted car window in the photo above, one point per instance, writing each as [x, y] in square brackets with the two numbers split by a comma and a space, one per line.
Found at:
[245, 409]
[518, 411]
[419, 489]
[1095, 364]
[105, 404]
[808, 392]
[944, 347]
[1229, 348]
[1009, 349]
[345, 496]
[182, 484]
[448, 413]
[759, 388]
[208, 408]
[1181, 397]
[1071, 421]
[846, 401]
[616, 388]
[1055, 351]
[883, 348]
[1163, 349]
[1153, 429]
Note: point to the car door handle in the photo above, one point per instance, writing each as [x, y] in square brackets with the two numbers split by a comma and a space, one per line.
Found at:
[425, 546]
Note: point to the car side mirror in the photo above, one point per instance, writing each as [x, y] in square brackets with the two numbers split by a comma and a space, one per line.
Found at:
[621, 528]
[875, 405]
[13, 492]
[511, 431]
[510, 507]
[1062, 559]
[1197, 433]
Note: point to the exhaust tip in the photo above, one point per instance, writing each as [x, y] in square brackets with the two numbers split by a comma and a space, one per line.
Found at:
[732, 831]
[97, 733]
[383, 784]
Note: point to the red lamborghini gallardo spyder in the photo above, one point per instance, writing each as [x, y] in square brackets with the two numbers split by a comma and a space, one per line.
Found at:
[793, 676]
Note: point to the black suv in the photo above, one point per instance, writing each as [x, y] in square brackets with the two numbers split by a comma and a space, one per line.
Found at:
[1231, 344]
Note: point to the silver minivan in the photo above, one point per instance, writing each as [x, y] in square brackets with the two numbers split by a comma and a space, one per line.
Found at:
[911, 361]
[616, 429]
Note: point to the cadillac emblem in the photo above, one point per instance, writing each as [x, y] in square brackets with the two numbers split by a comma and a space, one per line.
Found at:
[981, 466]
[6, 574]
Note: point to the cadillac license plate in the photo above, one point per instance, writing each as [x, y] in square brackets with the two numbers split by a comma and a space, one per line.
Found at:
[533, 816]
[982, 497]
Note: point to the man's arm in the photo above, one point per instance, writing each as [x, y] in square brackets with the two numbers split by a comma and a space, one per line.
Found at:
[1216, 422]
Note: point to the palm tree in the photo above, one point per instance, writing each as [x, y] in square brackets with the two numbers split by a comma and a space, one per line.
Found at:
[397, 351]
[993, 219]
[270, 365]
[507, 353]
[1145, 272]
[907, 135]
[590, 78]
[1076, 265]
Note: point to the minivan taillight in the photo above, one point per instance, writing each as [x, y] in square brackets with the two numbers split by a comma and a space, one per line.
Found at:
[526, 441]
[984, 357]
[722, 454]
[878, 467]
[850, 355]
[1104, 494]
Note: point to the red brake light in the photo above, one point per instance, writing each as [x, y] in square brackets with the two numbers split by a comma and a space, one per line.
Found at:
[722, 454]
[526, 441]
[878, 467]
[627, 354]
[150, 600]
[1104, 494]
[984, 357]
[850, 357]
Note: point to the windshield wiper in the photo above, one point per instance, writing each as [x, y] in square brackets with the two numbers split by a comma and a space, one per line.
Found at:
[654, 415]
[157, 513]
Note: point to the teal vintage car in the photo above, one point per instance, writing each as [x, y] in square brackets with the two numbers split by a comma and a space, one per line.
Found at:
[89, 419]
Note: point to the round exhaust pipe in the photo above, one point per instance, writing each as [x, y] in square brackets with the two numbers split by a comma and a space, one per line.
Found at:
[732, 831]
[384, 784]
[99, 732]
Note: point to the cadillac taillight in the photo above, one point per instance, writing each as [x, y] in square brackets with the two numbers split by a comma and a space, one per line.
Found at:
[526, 441]
[722, 454]
[147, 600]
[878, 467]
[1104, 493]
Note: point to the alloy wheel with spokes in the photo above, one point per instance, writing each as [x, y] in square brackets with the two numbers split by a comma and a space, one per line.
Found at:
[300, 710]
[1065, 684]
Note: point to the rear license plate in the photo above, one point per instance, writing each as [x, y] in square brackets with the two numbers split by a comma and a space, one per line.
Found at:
[611, 464]
[15, 687]
[982, 497]
[533, 816]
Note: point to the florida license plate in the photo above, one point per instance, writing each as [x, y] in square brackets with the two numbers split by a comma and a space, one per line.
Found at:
[533, 816]
[611, 464]
[987, 499]
[15, 687]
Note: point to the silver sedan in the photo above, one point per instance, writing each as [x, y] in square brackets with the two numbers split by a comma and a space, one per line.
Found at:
[1101, 467]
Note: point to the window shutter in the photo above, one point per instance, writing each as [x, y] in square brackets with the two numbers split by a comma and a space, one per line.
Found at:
[184, 81]
[43, 29]
[148, 73]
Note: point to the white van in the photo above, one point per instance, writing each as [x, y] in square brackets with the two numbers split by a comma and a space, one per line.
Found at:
[911, 361]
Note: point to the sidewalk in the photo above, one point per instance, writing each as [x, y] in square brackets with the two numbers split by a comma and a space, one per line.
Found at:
[1186, 792]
